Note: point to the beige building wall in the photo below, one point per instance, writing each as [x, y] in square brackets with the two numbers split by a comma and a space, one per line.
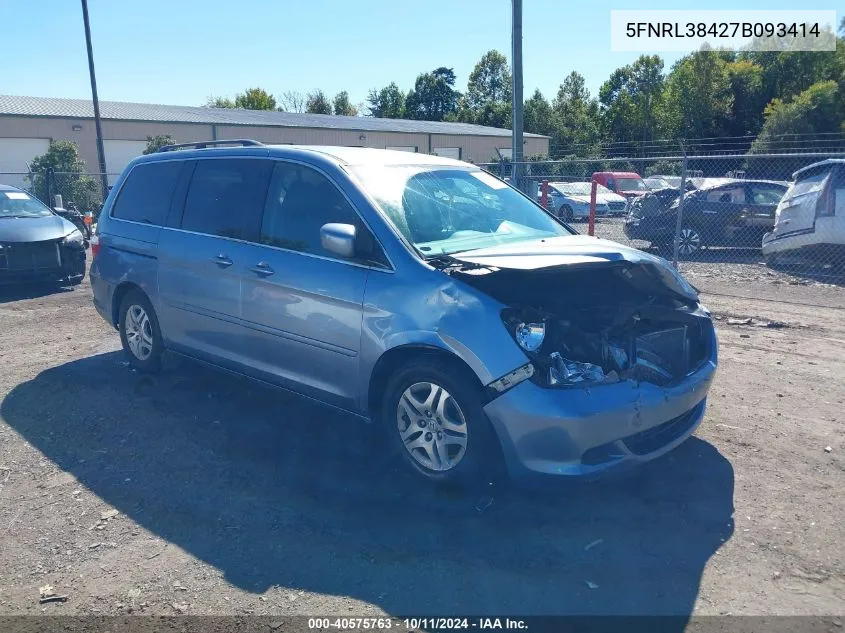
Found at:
[478, 149]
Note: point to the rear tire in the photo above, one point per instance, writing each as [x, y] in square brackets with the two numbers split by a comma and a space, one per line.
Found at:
[565, 213]
[139, 332]
[432, 414]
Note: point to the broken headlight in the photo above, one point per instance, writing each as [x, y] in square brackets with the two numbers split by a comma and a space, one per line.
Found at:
[527, 327]
[529, 336]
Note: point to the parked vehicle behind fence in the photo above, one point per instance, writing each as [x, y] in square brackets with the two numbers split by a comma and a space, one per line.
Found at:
[723, 212]
[416, 292]
[625, 183]
[810, 219]
[36, 244]
[571, 200]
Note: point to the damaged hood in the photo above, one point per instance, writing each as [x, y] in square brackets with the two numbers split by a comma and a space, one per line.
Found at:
[569, 254]
[555, 251]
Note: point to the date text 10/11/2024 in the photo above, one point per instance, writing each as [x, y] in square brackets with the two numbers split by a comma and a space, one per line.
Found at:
[413, 624]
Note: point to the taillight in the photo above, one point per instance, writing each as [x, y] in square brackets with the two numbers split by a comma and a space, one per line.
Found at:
[824, 205]
[95, 245]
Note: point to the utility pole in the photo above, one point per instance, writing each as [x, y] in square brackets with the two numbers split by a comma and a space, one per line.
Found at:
[101, 154]
[516, 56]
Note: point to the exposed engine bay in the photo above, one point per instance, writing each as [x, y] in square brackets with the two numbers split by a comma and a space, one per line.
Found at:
[590, 324]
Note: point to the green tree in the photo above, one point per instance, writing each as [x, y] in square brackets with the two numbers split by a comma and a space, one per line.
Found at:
[576, 117]
[746, 85]
[698, 99]
[155, 143]
[488, 97]
[318, 103]
[433, 97]
[67, 178]
[255, 99]
[387, 103]
[343, 106]
[631, 100]
[818, 109]
[489, 81]
[538, 117]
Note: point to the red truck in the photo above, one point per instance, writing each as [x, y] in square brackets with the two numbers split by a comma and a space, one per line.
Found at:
[625, 183]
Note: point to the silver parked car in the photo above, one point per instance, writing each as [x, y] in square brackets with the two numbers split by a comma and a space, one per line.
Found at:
[415, 292]
[571, 200]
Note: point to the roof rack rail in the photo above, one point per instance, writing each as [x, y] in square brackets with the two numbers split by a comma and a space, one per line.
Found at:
[239, 142]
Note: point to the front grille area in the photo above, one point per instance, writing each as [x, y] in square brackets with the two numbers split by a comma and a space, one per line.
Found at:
[616, 206]
[31, 256]
[659, 436]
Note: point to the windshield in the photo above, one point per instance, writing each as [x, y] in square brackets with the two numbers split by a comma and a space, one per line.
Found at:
[17, 204]
[443, 211]
[631, 184]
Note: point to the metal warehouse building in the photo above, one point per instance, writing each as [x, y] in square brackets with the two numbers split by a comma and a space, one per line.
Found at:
[28, 124]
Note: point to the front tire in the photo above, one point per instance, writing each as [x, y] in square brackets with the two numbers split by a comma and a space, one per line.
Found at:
[565, 213]
[139, 332]
[433, 418]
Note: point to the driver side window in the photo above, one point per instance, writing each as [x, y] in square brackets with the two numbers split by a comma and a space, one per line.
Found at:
[300, 200]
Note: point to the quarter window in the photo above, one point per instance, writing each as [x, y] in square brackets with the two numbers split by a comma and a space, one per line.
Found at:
[147, 193]
[225, 194]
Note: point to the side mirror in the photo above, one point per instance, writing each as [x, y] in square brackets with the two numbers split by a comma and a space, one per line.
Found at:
[338, 239]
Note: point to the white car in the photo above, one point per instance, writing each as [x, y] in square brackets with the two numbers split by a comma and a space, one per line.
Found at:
[571, 200]
[810, 219]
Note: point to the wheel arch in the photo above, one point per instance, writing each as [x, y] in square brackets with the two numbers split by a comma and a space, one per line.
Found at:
[117, 298]
[395, 357]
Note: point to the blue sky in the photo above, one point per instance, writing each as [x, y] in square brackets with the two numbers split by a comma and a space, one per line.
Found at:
[182, 51]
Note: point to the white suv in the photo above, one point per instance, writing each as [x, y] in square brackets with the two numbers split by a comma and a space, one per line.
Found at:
[810, 219]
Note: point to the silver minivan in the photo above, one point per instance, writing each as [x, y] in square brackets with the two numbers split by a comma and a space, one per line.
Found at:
[414, 292]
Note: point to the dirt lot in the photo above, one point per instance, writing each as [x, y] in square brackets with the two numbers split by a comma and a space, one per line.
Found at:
[194, 492]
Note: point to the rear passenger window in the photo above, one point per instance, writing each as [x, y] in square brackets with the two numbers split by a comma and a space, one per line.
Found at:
[147, 192]
[226, 195]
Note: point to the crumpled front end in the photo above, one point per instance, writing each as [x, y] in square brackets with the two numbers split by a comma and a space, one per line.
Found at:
[621, 362]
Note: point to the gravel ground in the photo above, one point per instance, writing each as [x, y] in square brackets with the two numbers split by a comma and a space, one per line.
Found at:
[199, 493]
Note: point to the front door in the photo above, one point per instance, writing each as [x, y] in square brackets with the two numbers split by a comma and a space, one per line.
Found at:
[302, 305]
[203, 255]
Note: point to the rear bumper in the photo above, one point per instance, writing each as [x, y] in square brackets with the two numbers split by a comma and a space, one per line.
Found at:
[825, 232]
[584, 432]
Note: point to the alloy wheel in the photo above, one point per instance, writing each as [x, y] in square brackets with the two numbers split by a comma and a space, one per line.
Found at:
[432, 426]
[139, 332]
[690, 241]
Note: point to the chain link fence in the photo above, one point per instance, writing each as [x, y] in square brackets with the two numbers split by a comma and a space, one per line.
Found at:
[741, 214]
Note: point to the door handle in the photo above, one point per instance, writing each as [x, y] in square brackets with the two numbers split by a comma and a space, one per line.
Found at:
[222, 260]
[262, 268]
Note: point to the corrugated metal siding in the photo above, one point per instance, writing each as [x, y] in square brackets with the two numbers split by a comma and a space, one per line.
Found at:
[478, 149]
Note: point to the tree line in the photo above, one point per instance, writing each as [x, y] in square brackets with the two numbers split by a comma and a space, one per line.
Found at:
[709, 94]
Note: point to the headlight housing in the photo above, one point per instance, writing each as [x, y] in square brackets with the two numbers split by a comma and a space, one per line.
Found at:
[529, 331]
[529, 336]
[74, 239]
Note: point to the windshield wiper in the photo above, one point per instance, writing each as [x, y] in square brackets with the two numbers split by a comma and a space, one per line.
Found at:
[444, 261]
